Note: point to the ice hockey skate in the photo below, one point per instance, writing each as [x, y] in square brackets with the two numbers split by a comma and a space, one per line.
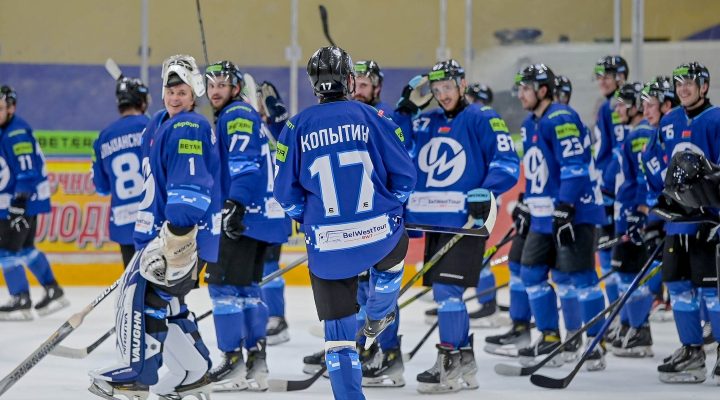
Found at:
[54, 300]
[443, 377]
[509, 343]
[18, 308]
[257, 370]
[572, 348]
[229, 373]
[546, 343]
[685, 365]
[596, 359]
[277, 331]
[488, 316]
[384, 368]
[121, 391]
[468, 366]
[373, 328]
[636, 343]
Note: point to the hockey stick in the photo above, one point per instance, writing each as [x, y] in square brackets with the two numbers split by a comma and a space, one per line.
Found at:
[113, 69]
[202, 32]
[561, 383]
[58, 336]
[324, 20]
[79, 353]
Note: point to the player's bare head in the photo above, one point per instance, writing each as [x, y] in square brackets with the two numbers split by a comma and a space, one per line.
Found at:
[448, 85]
[179, 71]
[131, 95]
[368, 82]
[658, 98]
[692, 82]
[610, 73]
[8, 99]
[628, 102]
[224, 81]
[534, 86]
[331, 73]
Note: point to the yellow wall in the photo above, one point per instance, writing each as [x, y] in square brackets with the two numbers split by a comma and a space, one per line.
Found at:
[401, 33]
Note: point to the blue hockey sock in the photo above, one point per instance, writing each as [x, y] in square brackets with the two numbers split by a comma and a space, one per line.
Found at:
[639, 303]
[13, 267]
[710, 298]
[686, 310]
[383, 291]
[590, 296]
[541, 296]
[273, 292]
[256, 314]
[453, 319]
[611, 282]
[39, 266]
[568, 300]
[655, 283]
[342, 359]
[228, 317]
[362, 296]
[519, 303]
[388, 339]
[485, 282]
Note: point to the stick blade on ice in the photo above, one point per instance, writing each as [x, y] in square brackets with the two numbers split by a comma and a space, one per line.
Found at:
[508, 370]
[548, 382]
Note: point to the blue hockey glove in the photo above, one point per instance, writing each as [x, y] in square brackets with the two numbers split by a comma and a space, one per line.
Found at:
[635, 223]
[562, 218]
[521, 217]
[272, 104]
[16, 214]
[232, 219]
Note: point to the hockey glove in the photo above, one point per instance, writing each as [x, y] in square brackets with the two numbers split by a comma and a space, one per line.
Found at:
[168, 258]
[479, 207]
[16, 214]
[562, 218]
[232, 219]
[654, 234]
[271, 104]
[521, 217]
[415, 96]
[635, 222]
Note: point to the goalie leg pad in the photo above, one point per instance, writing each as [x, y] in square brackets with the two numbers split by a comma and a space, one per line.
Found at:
[228, 316]
[590, 297]
[13, 268]
[541, 296]
[453, 319]
[685, 304]
[568, 300]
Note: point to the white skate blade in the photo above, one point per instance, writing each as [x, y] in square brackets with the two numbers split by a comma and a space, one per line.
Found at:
[635, 352]
[690, 376]
[439, 388]
[495, 320]
[103, 389]
[230, 385]
[508, 350]
[281, 337]
[384, 381]
[54, 306]
[595, 365]
[17, 315]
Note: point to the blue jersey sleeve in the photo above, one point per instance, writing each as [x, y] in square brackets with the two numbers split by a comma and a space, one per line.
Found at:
[504, 168]
[401, 171]
[23, 160]
[287, 189]
[567, 135]
[188, 153]
[100, 178]
[653, 164]
[242, 126]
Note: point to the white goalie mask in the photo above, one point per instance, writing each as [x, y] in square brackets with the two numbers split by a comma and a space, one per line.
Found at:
[186, 68]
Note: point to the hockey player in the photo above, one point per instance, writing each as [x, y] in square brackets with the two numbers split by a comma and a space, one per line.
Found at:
[564, 204]
[116, 163]
[351, 224]
[462, 150]
[633, 339]
[563, 90]
[610, 73]
[250, 224]
[688, 253]
[25, 193]
[480, 94]
[177, 231]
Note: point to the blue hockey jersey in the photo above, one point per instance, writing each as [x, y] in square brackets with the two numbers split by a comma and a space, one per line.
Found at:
[243, 134]
[677, 132]
[609, 132]
[117, 172]
[559, 169]
[183, 180]
[22, 168]
[630, 192]
[342, 174]
[404, 121]
[455, 155]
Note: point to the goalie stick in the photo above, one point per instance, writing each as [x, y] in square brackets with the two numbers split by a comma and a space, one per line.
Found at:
[79, 353]
[58, 336]
[113, 69]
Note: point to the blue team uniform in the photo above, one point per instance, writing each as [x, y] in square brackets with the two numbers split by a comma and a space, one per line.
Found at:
[630, 192]
[117, 172]
[608, 133]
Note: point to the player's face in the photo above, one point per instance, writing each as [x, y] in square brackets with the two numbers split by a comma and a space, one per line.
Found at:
[651, 110]
[446, 93]
[6, 112]
[364, 90]
[607, 84]
[623, 112]
[220, 91]
[179, 98]
[688, 91]
[526, 95]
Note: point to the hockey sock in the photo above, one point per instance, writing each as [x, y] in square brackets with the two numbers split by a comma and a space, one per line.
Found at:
[485, 282]
[388, 339]
[273, 292]
[611, 282]
[362, 296]
[541, 296]
[14, 271]
[686, 310]
[710, 297]
[383, 291]
[519, 303]
[453, 319]
[256, 315]
[39, 266]
[655, 283]
[568, 300]
[640, 302]
[590, 296]
[228, 317]
[342, 360]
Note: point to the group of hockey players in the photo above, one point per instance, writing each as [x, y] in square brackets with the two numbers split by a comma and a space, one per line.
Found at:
[352, 171]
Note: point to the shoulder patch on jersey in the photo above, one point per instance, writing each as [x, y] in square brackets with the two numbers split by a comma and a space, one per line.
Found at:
[239, 125]
[399, 134]
[498, 125]
[559, 113]
[567, 130]
[187, 146]
[239, 107]
[380, 113]
[281, 152]
[290, 125]
[22, 148]
[638, 144]
[16, 132]
[615, 118]
[444, 129]
[183, 124]
[485, 108]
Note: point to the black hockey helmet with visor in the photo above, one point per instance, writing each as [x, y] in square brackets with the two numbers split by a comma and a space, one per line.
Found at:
[611, 65]
[563, 87]
[8, 94]
[330, 70]
[629, 95]
[481, 92]
[662, 88]
[224, 70]
[692, 180]
[370, 69]
[693, 71]
[537, 75]
[131, 92]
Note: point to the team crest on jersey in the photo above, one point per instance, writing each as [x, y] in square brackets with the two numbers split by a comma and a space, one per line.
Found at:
[443, 159]
[536, 170]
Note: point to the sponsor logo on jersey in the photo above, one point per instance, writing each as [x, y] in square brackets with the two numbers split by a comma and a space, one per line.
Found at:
[290, 125]
[183, 124]
[281, 152]
[22, 148]
[498, 125]
[399, 134]
[16, 132]
[239, 125]
[187, 146]
[443, 159]
[567, 130]
[381, 113]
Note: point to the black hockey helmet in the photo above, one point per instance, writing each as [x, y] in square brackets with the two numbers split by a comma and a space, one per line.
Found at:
[370, 69]
[446, 70]
[629, 94]
[612, 65]
[224, 69]
[661, 88]
[693, 70]
[692, 180]
[9, 94]
[538, 75]
[563, 87]
[480, 92]
[130, 92]
[329, 69]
